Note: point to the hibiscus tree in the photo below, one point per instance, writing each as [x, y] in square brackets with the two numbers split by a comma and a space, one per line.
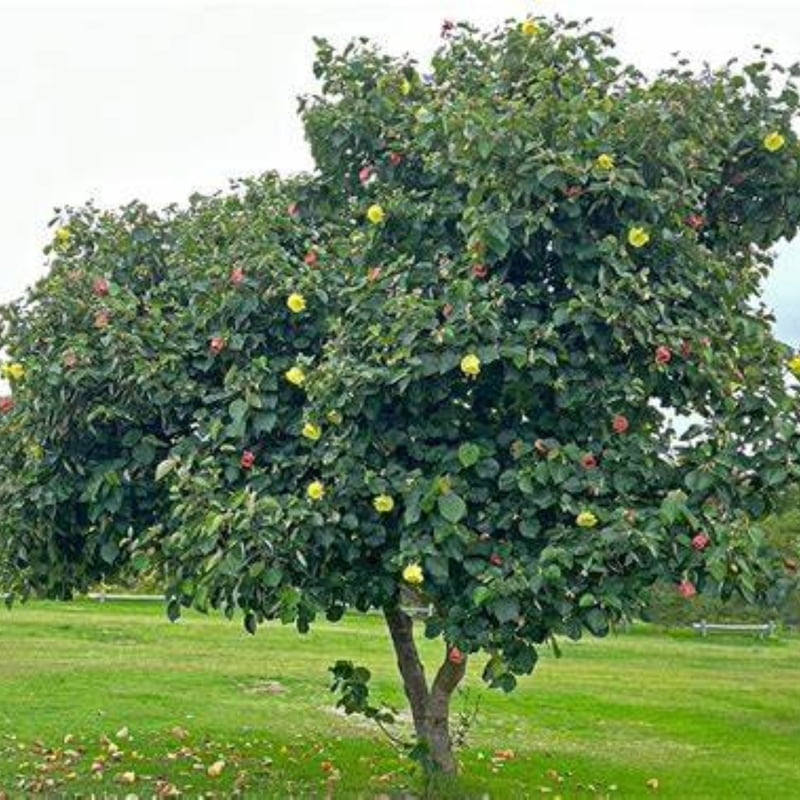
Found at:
[524, 266]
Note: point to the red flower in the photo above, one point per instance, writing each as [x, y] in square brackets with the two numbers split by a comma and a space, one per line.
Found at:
[695, 221]
[102, 319]
[293, 210]
[248, 459]
[311, 258]
[496, 560]
[395, 159]
[365, 174]
[374, 274]
[701, 541]
[455, 656]
[217, 345]
[237, 276]
[687, 589]
[6, 404]
[100, 287]
[480, 270]
[663, 355]
[619, 423]
[589, 461]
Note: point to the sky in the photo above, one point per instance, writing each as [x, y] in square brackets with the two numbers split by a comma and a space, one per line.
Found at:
[152, 100]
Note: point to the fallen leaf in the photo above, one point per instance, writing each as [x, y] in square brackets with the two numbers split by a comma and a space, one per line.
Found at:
[127, 777]
[215, 770]
[165, 789]
[179, 733]
[652, 783]
[123, 733]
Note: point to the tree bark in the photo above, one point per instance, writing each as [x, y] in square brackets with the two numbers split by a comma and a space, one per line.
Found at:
[430, 708]
[447, 679]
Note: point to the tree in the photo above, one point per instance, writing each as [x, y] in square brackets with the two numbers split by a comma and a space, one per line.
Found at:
[446, 368]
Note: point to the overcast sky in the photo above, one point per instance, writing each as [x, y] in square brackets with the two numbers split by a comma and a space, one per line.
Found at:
[155, 100]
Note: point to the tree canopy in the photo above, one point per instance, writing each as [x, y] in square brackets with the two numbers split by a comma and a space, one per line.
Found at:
[444, 369]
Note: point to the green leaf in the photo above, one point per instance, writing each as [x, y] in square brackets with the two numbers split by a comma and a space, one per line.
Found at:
[144, 453]
[469, 454]
[596, 621]
[438, 567]
[165, 467]
[412, 511]
[774, 476]
[140, 562]
[109, 551]
[480, 595]
[698, 480]
[672, 507]
[506, 609]
[237, 409]
[452, 507]
[272, 577]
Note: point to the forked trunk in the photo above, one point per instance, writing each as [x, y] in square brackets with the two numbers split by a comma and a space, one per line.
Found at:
[430, 707]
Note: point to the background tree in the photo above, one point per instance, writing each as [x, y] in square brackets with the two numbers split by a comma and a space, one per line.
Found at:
[447, 365]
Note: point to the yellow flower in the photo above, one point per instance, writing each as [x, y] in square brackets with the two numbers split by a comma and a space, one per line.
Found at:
[295, 375]
[334, 417]
[794, 366]
[471, 365]
[586, 519]
[383, 503]
[412, 574]
[605, 161]
[63, 235]
[774, 141]
[529, 27]
[405, 86]
[14, 371]
[376, 214]
[312, 431]
[638, 237]
[296, 303]
[316, 490]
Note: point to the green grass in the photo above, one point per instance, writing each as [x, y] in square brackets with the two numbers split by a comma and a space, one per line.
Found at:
[707, 718]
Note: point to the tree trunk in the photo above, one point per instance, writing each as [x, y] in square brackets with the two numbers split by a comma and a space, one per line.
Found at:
[430, 708]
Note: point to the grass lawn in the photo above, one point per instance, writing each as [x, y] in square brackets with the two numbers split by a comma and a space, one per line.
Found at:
[116, 701]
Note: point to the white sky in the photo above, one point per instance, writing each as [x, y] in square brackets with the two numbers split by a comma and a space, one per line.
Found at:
[155, 100]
